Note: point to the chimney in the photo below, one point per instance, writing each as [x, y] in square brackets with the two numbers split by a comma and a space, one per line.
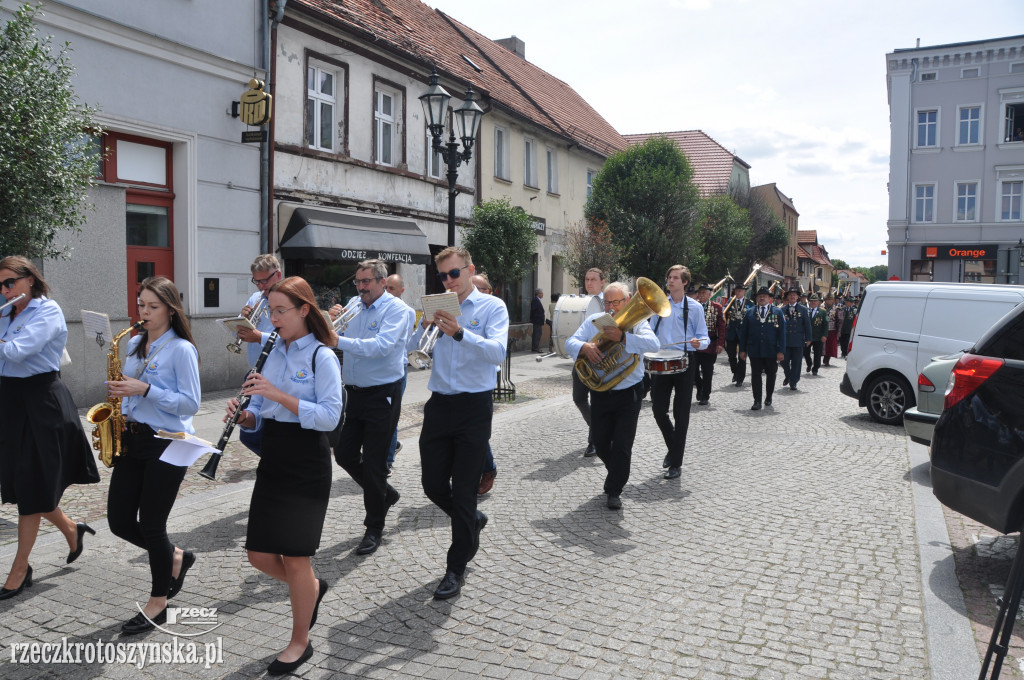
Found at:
[514, 45]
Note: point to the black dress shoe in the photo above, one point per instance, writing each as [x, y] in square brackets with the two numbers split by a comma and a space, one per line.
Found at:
[278, 667]
[26, 582]
[481, 522]
[187, 560]
[673, 472]
[814, 372]
[785, 382]
[82, 528]
[739, 383]
[590, 452]
[792, 388]
[370, 542]
[391, 499]
[756, 406]
[316, 607]
[450, 586]
[668, 460]
[614, 502]
[702, 402]
[140, 623]
[768, 401]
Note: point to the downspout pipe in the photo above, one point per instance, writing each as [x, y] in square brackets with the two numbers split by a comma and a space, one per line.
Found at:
[265, 198]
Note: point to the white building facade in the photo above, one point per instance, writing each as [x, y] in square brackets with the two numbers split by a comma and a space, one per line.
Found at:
[956, 168]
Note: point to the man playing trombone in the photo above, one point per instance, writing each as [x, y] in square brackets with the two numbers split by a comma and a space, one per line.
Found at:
[266, 271]
[374, 346]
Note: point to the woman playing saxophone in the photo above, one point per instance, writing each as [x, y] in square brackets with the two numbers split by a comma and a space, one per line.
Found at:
[45, 449]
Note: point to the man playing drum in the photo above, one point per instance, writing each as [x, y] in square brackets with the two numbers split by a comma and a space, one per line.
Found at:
[685, 331]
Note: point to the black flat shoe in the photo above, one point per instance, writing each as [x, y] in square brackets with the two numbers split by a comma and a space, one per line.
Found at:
[316, 608]
[673, 472]
[26, 582]
[140, 623]
[370, 542]
[450, 586]
[187, 560]
[82, 529]
[278, 667]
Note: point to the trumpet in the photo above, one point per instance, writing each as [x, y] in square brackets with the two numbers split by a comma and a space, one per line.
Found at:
[254, 317]
[10, 302]
[420, 358]
[348, 315]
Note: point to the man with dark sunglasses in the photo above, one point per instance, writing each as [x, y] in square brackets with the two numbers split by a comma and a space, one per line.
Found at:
[457, 417]
[266, 271]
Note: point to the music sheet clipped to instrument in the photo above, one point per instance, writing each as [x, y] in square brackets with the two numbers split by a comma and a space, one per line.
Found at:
[448, 302]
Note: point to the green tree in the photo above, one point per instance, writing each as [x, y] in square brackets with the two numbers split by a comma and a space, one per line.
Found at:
[47, 159]
[501, 240]
[726, 234]
[647, 198]
[587, 246]
[879, 272]
[839, 264]
[768, 234]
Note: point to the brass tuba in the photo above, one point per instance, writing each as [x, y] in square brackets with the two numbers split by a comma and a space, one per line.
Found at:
[106, 436]
[614, 367]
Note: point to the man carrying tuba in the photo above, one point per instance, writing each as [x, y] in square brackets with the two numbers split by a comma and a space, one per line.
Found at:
[614, 412]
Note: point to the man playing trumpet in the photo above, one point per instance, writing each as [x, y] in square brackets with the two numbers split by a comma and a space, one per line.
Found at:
[266, 271]
[373, 370]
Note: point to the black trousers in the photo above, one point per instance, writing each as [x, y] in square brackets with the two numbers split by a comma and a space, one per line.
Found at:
[661, 391]
[738, 366]
[770, 367]
[581, 397]
[792, 363]
[815, 347]
[844, 342]
[613, 428]
[538, 333]
[705, 369]
[453, 445]
[362, 450]
[139, 500]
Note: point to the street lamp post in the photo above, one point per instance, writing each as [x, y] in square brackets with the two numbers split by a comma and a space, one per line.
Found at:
[435, 110]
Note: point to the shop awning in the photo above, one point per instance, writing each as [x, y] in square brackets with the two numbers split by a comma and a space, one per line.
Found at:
[325, 234]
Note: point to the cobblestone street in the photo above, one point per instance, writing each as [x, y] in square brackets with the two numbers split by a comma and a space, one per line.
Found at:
[788, 549]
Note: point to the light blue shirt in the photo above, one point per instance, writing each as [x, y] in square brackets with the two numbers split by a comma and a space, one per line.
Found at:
[470, 366]
[172, 370]
[638, 340]
[374, 343]
[263, 325]
[34, 342]
[672, 331]
[409, 345]
[291, 370]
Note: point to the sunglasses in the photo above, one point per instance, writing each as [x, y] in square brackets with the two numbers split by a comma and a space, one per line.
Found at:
[454, 273]
[9, 283]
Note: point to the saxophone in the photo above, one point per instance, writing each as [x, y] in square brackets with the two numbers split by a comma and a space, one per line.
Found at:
[106, 436]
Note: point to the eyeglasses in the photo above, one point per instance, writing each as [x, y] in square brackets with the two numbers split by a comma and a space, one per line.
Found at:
[608, 303]
[454, 273]
[9, 283]
[280, 311]
[365, 282]
[265, 280]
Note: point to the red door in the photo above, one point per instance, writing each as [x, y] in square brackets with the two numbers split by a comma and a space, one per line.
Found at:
[150, 242]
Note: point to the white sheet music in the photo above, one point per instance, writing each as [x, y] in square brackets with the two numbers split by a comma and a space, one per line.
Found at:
[184, 449]
[234, 324]
[448, 302]
[96, 325]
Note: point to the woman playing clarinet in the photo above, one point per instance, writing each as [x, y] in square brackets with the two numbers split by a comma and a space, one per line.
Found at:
[45, 449]
[297, 400]
[159, 391]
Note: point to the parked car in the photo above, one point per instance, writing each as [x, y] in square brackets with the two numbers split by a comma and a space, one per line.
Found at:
[919, 421]
[901, 325]
[977, 450]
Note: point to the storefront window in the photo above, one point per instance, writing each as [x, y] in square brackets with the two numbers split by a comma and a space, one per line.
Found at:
[922, 270]
[979, 271]
[331, 280]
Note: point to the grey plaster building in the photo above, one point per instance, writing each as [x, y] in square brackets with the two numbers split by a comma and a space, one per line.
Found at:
[956, 162]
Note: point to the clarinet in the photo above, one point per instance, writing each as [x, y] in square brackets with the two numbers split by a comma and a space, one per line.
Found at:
[210, 471]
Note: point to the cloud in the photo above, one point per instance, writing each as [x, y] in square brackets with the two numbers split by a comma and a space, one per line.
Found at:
[813, 168]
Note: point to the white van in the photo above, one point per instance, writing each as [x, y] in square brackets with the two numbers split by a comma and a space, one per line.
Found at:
[902, 325]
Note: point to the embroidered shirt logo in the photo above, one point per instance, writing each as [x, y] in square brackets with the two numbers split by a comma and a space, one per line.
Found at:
[475, 323]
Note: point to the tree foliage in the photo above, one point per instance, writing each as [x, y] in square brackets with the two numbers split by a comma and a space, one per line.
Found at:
[587, 246]
[501, 240]
[47, 160]
[839, 264]
[880, 272]
[726, 234]
[647, 197]
[768, 234]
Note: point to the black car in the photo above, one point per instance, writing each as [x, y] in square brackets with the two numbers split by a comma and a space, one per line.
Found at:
[977, 449]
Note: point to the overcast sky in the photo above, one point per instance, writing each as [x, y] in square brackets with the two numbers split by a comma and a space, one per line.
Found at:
[795, 88]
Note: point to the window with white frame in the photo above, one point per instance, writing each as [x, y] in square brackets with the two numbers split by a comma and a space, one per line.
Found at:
[501, 160]
[1009, 200]
[321, 107]
[927, 128]
[552, 163]
[924, 202]
[1013, 123]
[385, 125]
[591, 174]
[435, 164]
[969, 125]
[529, 163]
[966, 201]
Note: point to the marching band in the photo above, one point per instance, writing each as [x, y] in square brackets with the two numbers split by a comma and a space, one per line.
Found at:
[298, 400]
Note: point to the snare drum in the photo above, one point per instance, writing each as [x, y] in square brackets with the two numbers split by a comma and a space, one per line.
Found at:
[570, 313]
[665, 362]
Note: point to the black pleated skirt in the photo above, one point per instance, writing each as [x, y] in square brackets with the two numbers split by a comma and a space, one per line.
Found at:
[45, 449]
[293, 487]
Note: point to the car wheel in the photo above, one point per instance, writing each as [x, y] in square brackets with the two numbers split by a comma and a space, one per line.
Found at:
[889, 396]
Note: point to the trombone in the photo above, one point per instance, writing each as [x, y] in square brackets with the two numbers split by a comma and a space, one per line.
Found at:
[421, 357]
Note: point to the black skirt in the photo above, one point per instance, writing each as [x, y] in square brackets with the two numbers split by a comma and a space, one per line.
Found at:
[45, 449]
[293, 487]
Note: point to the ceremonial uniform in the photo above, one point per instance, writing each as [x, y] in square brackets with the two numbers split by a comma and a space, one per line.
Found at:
[762, 340]
[819, 331]
[734, 326]
[844, 324]
[798, 334]
[715, 323]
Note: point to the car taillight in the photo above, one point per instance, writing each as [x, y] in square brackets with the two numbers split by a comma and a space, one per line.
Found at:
[853, 331]
[924, 384]
[968, 375]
